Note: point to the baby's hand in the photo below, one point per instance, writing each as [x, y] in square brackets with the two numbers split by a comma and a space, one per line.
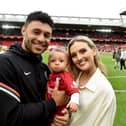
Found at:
[72, 106]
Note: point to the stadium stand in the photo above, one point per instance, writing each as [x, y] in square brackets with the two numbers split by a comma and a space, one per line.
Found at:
[107, 33]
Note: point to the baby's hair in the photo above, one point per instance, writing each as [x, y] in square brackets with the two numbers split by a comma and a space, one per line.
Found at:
[58, 49]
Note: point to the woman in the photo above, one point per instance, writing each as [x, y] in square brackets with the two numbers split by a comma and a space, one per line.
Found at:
[97, 97]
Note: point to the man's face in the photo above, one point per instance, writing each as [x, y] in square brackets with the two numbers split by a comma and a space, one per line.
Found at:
[36, 37]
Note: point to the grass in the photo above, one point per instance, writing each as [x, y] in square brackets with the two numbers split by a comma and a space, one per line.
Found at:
[118, 81]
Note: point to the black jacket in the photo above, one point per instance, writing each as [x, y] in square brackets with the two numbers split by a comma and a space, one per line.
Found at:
[23, 83]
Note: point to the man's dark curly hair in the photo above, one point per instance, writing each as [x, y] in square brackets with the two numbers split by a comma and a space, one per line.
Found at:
[39, 16]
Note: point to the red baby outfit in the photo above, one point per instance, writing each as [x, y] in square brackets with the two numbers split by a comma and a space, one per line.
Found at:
[66, 83]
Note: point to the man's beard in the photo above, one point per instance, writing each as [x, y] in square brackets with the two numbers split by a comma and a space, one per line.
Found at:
[28, 45]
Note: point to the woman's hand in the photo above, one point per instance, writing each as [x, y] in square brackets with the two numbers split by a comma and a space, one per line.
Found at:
[62, 120]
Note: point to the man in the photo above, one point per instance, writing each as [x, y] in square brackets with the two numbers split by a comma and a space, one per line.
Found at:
[122, 59]
[116, 57]
[23, 78]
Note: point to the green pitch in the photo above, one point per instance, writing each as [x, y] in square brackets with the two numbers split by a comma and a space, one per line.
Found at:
[118, 80]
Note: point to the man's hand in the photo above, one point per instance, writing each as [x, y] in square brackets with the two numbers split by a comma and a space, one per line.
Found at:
[59, 97]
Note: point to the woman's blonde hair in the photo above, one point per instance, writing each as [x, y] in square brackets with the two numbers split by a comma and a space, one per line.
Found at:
[72, 68]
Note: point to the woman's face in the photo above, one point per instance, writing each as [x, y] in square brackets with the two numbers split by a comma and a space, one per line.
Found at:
[83, 56]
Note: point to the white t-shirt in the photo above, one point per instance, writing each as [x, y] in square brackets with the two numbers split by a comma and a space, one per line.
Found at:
[123, 55]
[97, 103]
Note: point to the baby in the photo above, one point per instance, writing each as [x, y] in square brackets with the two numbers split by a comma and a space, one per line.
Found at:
[58, 62]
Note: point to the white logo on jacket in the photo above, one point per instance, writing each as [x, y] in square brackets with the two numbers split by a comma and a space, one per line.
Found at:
[27, 73]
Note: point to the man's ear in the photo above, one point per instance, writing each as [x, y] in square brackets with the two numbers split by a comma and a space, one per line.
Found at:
[23, 29]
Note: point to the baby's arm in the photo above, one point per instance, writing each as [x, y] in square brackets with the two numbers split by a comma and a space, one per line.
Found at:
[74, 102]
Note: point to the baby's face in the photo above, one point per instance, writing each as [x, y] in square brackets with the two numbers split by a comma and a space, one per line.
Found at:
[58, 62]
